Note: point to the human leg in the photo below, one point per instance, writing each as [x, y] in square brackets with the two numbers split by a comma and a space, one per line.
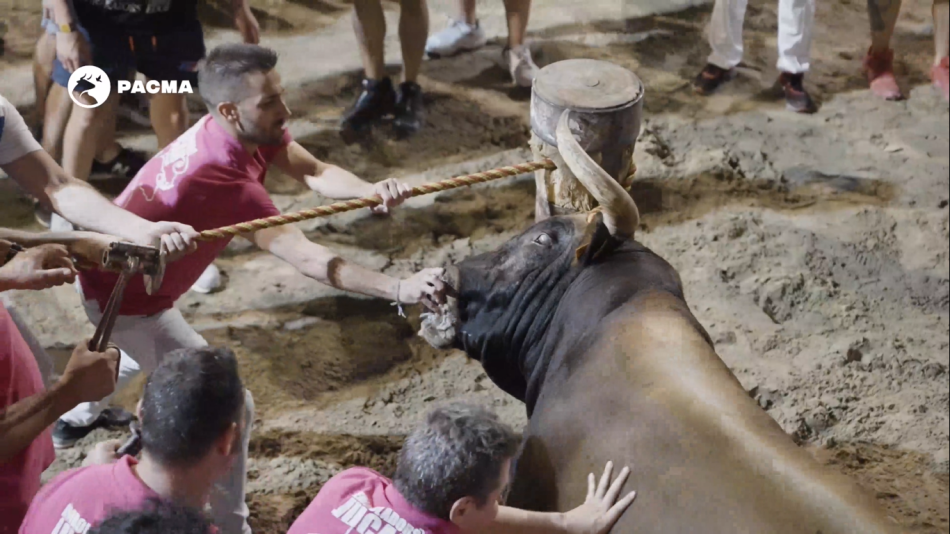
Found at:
[170, 56]
[518, 56]
[43, 57]
[378, 97]
[169, 114]
[795, 25]
[413, 28]
[144, 341]
[940, 72]
[112, 159]
[725, 40]
[879, 62]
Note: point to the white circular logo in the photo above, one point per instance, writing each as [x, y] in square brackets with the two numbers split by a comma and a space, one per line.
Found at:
[94, 76]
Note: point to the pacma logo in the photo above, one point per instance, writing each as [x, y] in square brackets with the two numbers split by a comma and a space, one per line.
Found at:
[356, 514]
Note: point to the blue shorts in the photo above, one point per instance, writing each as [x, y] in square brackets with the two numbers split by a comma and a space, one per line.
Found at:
[173, 56]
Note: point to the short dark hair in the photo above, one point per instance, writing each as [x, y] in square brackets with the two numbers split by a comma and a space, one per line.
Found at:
[155, 517]
[457, 452]
[190, 400]
[221, 74]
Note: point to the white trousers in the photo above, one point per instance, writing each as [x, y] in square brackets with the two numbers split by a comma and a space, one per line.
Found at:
[144, 341]
[796, 20]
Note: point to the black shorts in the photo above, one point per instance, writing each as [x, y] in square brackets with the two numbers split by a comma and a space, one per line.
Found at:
[168, 56]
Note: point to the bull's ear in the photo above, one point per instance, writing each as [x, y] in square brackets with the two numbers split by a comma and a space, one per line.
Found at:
[597, 242]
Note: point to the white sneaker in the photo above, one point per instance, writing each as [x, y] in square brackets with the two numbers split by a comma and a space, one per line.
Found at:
[521, 65]
[459, 36]
[208, 281]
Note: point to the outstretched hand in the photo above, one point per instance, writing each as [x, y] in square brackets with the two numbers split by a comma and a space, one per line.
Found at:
[38, 268]
[601, 510]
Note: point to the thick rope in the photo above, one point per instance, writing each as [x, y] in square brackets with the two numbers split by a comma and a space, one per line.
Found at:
[349, 205]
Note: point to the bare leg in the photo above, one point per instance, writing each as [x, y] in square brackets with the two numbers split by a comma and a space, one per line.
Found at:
[940, 72]
[468, 14]
[58, 107]
[43, 59]
[169, 114]
[941, 12]
[517, 12]
[369, 23]
[413, 31]
[107, 148]
[80, 140]
[883, 17]
[879, 62]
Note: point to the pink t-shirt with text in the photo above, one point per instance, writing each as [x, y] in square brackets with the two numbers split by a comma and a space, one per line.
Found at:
[78, 499]
[205, 179]
[20, 378]
[362, 500]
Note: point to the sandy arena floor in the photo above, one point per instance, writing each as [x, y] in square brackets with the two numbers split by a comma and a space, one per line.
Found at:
[813, 248]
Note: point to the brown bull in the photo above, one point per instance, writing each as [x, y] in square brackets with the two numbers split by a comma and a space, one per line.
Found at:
[591, 330]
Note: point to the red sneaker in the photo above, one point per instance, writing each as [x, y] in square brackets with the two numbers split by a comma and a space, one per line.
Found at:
[879, 69]
[940, 74]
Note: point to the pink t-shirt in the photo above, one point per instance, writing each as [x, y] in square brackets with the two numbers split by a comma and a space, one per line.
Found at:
[19, 378]
[361, 500]
[205, 179]
[78, 499]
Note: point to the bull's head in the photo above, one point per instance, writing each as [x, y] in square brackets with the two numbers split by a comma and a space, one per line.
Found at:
[506, 298]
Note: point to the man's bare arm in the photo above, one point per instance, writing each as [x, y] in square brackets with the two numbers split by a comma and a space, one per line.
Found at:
[83, 206]
[597, 515]
[323, 265]
[74, 199]
[328, 180]
[22, 422]
[89, 376]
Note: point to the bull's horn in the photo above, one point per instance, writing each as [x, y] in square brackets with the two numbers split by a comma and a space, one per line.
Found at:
[621, 215]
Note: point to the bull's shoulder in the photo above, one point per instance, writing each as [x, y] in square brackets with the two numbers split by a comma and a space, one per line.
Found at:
[659, 313]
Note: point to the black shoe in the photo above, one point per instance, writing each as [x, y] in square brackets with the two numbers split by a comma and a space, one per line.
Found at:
[711, 78]
[375, 102]
[66, 435]
[125, 165]
[797, 98]
[410, 110]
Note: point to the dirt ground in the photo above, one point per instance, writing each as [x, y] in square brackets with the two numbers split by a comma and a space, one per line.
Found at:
[813, 248]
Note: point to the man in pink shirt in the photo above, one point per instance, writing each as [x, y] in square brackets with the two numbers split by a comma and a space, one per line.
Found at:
[27, 407]
[212, 176]
[451, 477]
[192, 417]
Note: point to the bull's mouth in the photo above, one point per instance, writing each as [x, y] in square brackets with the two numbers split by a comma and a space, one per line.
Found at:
[440, 329]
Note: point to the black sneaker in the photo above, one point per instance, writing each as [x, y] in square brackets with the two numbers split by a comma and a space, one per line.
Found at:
[410, 110]
[126, 165]
[66, 435]
[711, 78]
[377, 100]
[797, 98]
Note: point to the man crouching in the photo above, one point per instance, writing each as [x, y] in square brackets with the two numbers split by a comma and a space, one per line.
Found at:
[192, 415]
[452, 476]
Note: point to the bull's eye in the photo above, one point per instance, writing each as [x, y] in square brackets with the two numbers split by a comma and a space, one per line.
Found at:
[543, 239]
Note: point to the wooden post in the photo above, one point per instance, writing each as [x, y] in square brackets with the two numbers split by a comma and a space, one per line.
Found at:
[606, 101]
